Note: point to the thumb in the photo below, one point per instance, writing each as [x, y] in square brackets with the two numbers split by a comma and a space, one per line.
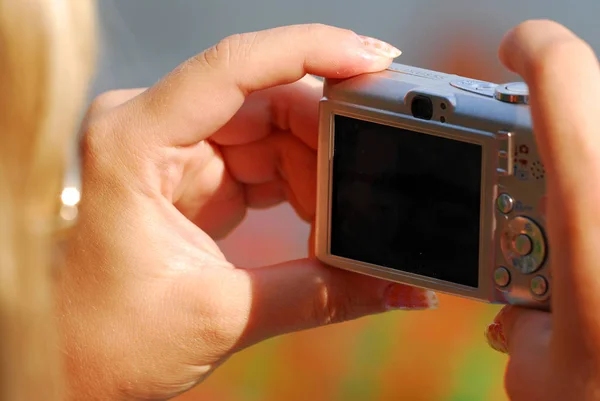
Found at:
[525, 335]
[304, 294]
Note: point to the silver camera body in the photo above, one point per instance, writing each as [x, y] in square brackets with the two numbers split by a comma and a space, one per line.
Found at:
[433, 180]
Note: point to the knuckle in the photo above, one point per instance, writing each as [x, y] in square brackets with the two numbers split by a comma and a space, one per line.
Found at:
[105, 148]
[221, 327]
[208, 58]
[105, 102]
[323, 312]
[110, 152]
[228, 50]
[223, 319]
[331, 304]
[93, 143]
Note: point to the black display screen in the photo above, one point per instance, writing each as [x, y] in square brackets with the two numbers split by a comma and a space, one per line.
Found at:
[406, 200]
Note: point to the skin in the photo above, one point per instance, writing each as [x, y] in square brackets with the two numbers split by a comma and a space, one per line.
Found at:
[555, 356]
[148, 304]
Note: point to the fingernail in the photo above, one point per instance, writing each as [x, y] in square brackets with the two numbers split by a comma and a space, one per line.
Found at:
[379, 48]
[404, 297]
[495, 337]
[500, 315]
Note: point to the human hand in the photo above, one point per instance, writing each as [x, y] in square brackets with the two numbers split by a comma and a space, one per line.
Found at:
[557, 356]
[149, 306]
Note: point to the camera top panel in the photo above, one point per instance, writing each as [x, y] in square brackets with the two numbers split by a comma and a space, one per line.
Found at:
[440, 97]
[512, 92]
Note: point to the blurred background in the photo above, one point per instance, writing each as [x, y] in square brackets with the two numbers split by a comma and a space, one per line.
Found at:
[433, 355]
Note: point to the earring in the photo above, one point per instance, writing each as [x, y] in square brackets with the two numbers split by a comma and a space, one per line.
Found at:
[68, 209]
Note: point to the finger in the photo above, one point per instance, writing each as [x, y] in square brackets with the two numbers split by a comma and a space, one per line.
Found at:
[525, 335]
[292, 108]
[562, 72]
[311, 241]
[516, 330]
[563, 77]
[262, 196]
[305, 294]
[202, 94]
[278, 157]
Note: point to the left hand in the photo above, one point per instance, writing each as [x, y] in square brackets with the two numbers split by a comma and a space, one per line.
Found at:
[149, 305]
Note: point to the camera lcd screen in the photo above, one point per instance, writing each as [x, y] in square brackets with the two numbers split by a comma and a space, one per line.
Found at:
[406, 200]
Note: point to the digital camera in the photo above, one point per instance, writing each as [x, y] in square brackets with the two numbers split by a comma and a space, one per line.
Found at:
[433, 180]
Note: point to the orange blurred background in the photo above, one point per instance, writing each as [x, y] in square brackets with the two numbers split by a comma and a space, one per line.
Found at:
[416, 355]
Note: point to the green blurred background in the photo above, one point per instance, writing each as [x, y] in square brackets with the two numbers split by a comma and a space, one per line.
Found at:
[422, 356]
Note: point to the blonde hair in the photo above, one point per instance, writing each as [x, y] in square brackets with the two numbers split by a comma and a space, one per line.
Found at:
[45, 65]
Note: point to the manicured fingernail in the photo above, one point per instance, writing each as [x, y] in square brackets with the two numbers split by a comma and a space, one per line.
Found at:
[500, 315]
[379, 48]
[495, 337]
[404, 297]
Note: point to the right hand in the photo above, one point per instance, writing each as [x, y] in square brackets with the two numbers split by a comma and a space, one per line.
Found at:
[556, 356]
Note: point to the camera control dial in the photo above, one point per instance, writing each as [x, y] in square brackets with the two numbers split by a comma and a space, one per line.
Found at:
[523, 245]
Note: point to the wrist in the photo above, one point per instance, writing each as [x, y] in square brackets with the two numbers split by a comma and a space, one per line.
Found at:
[88, 372]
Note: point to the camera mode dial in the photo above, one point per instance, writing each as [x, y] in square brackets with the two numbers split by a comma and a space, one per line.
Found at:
[514, 92]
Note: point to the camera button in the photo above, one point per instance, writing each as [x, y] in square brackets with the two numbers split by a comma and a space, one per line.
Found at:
[485, 86]
[514, 92]
[539, 286]
[474, 86]
[502, 277]
[505, 203]
[522, 244]
[518, 87]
